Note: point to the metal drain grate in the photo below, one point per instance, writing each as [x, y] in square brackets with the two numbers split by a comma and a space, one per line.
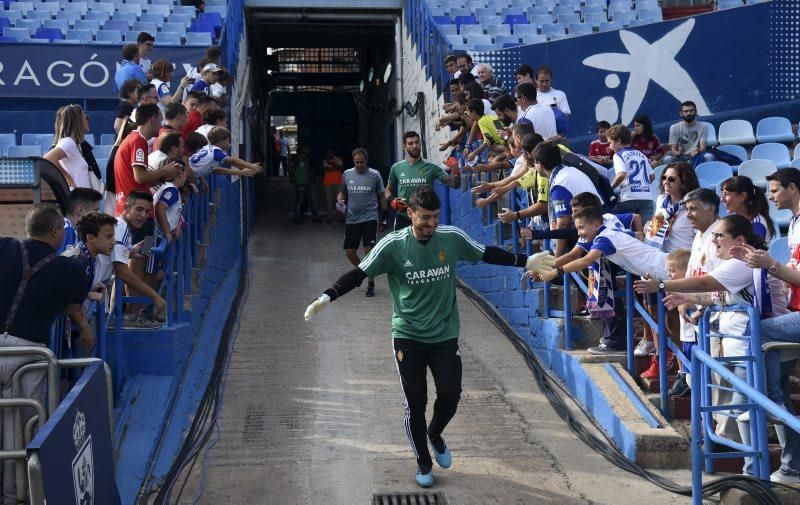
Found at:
[409, 499]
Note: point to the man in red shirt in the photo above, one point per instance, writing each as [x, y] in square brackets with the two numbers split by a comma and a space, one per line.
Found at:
[174, 120]
[130, 163]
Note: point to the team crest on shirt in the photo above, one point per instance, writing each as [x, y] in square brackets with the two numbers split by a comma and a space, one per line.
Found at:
[140, 155]
[441, 256]
[399, 355]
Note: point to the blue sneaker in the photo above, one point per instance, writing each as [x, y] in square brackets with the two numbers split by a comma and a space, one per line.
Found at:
[425, 479]
[444, 459]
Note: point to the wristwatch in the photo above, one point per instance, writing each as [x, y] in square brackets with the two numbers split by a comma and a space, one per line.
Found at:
[773, 270]
[661, 285]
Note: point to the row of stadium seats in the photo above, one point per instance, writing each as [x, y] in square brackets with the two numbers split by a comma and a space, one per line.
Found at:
[36, 144]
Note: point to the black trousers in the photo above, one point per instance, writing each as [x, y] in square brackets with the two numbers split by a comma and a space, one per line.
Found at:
[413, 358]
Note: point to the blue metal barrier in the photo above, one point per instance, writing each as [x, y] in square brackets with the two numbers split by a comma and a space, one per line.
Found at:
[431, 45]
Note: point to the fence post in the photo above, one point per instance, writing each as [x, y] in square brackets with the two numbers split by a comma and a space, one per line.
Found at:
[630, 311]
[546, 246]
[759, 383]
[662, 354]
[567, 314]
[697, 435]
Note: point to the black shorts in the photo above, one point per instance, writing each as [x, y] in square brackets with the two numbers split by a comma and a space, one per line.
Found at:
[365, 233]
[148, 229]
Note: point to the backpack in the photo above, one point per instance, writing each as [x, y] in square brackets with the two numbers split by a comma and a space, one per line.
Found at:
[601, 183]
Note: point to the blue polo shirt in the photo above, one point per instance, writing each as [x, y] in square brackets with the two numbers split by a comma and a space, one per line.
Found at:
[50, 290]
[128, 70]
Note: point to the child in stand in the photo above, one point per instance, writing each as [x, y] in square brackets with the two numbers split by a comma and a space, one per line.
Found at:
[205, 159]
[677, 265]
[633, 174]
[599, 149]
[167, 208]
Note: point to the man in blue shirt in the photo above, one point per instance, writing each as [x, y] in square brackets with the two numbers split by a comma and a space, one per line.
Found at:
[79, 202]
[129, 67]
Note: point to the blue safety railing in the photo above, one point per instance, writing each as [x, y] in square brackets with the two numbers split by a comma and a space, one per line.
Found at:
[431, 45]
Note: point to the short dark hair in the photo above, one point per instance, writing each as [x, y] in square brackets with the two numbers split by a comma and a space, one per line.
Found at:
[451, 57]
[195, 141]
[145, 113]
[466, 78]
[527, 90]
[620, 133]
[544, 69]
[522, 130]
[138, 195]
[91, 222]
[601, 124]
[705, 196]
[585, 199]
[42, 218]
[473, 89]
[218, 134]
[524, 69]
[361, 151]
[82, 196]
[128, 88]
[410, 135]
[142, 90]
[466, 56]
[688, 103]
[504, 102]
[173, 110]
[193, 94]
[785, 177]
[592, 214]
[144, 37]
[531, 140]
[169, 141]
[129, 51]
[548, 154]
[211, 116]
[454, 82]
[424, 197]
[213, 52]
[475, 105]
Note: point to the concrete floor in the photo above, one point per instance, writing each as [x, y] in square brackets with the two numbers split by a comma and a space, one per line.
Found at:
[312, 412]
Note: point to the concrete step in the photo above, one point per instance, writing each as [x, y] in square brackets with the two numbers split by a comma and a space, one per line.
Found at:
[655, 447]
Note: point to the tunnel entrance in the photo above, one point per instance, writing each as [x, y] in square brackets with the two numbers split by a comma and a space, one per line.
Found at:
[325, 78]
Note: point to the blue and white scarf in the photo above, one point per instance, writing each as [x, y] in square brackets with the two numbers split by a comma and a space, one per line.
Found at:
[658, 230]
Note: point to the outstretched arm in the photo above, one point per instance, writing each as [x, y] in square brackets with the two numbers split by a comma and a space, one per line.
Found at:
[344, 285]
[498, 256]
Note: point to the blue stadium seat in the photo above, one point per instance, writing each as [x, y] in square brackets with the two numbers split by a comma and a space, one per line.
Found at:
[141, 26]
[129, 8]
[31, 24]
[106, 7]
[52, 7]
[18, 33]
[781, 218]
[445, 29]
[169, 2]
[100, 16]
[502, 40]
[61, 24]
[511, 11]
[774, 129]
[538, 10]
[108, 139]
[491, 20]
[573, 4]
[795, 163]
[542, 20]
[81, 7]
[164, 10]
[525, 30]
[773, 151]
[198, 27]
[81, 35]
[102, 150]
[38, 15]
[550, 4]
[87, 24]
[175, 27]
[594, 9]
[458, 11]
[217, 2]
[12, 15]
[465, 20]
[7, 38]
[736, 131]
[211, 17]
[152, 17]
[796, 152]
[566, 19]
[44, 140]
[496, 30]
[473, 40]
[734, 150]
[471, 30]
[49, 34]
[619, 5]
[779, 249]
[7, 139]
[553, 30]
[439, 20]
[109, 36]
[611, 26]
[22, 6]
[713, 171]
[3, 23]
[140, 2]
[23, 151]
[624, 17]
[506, 45]
[168, 39]
[651, 15]
[187, 10]
[563, 9]
[757, 170]
[534, 39]
[711, 139]
[728, 4]
[127, 17]
[70, 16]
[454, 40]
[198, 39]
[485, 12]
[130, 35]
[595, 18]
[515, 19]
[483, 48]
[116, 24]
[69, 42]
[577, 29]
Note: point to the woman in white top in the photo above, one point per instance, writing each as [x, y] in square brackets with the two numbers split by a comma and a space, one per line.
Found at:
[71, 126]
[743, 198]
[162, 77]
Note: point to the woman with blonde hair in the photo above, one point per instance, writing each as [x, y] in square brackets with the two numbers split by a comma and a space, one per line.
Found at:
[162, 77]
[71, 154]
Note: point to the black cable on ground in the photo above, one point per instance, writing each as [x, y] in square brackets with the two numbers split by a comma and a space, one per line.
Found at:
[756, 488]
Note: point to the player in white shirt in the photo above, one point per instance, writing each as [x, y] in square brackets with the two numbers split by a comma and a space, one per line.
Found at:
[633, 174]
[547, 95]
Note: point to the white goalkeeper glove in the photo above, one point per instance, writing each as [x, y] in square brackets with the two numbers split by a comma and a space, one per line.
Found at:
[317, 305]
[541, 262]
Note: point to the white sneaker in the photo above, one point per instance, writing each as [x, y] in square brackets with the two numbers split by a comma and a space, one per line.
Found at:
[644, 348]
[785, 476]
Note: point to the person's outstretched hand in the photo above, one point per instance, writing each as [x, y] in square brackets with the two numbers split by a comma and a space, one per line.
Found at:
[541, 262]
[317, 305]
